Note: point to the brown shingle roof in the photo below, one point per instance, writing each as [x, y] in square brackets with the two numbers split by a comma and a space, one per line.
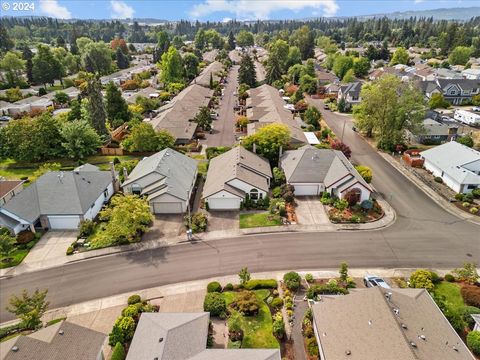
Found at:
[8, 185]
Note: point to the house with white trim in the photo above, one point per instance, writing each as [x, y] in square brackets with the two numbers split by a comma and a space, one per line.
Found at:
[457, 165]
[312, 171]
[234, 175]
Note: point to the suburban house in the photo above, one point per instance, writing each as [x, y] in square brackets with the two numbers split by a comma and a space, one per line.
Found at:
[59, 200]
[350, 93]
[180, 336]
[476, 319]
[177, 116]
[454, 91]
[467, 117]
[457, 165]
[212, 70]
[435, 130]
[60, 341]
[312, 171]
[442, 73]
[379, 323]
[234, 175]
[8, 189]
[266, 106]
[166, 178]
[471, 74]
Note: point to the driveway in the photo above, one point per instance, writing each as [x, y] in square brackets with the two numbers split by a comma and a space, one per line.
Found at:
[223, 220]
[165, 226]
[310, 211]
[51, 247]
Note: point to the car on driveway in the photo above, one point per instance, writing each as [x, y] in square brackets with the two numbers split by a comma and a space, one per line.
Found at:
[373, 280]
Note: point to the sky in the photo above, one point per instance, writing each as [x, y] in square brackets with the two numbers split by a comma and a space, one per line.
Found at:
[221, 10]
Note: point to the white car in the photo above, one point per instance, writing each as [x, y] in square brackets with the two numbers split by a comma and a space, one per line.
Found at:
[476, 108]
[373, 280]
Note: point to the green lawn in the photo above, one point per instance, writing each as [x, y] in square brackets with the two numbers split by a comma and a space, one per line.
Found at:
[18, 255]
[257, 331]
[451, 291]
[259, 219]
[202, 167]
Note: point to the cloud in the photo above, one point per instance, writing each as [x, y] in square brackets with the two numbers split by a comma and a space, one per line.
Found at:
[418, 1]
[120, 10]
[247, 9]
[54, 9]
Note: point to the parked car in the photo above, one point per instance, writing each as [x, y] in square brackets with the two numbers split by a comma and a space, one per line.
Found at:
[476, 108]
[373, 280]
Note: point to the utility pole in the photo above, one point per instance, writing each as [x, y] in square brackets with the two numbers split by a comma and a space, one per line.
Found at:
[189, 231]
[343, 129]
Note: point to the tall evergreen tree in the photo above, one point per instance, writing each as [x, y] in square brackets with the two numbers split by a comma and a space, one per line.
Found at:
[231, 40]
[96, 108]
[122, 59]
[274, 71]
[116, 106]
[27, 55]
[246, 72]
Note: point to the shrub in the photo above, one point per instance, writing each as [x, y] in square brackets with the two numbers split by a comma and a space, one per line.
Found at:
[341, 204]
[215, 304]
[278, 328]
[459, 197]
[466, 204]
[213, 151]
[118, 352]
[474, 210]
[134, 299]
[130, 311]
[476, 193]
[122, 331]
[276, 303]
[214, 286]
[11, 329]
[326, 199]
[312, 346]
[260, 284]
[199, 222]
[246, 303]
[235, 332]
[365, 172]
[277, 192]
[85, 228]
[467, 273]
[438, 179]
[328, 289]
[25, 236]
[422, 279]
[467, 312]
[228, 287]
[70, 250]
[468, 197]
[292, 280]
[471, 295]
[309, 278]
[449, 278]
[473, 341]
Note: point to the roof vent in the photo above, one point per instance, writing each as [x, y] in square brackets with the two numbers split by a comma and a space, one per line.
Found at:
[423, 337]
[348, 352]
[388, 295]
[324, 334]
[413, 344]
[396, 311]
[455, 348]
[15, 348]
[404, 326]
[369, 322]
[160, 340]
[61, 332]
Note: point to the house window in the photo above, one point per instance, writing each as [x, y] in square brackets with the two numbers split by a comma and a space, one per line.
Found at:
[136, 189]
[471, 187]
[105, 193]
[254, 194]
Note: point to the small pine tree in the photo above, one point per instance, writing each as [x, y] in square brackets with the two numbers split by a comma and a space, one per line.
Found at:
[343, 271]
[244, 275]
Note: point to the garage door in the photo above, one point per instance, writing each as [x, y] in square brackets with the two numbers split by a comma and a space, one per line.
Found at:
[63, 222]
[223, 203]
[167, 208]
[306, 190]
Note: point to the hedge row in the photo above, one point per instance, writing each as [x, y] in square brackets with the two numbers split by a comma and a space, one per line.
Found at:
[260, 284]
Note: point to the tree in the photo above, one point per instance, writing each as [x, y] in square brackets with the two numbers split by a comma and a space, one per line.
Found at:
[118, 352]
[172, 67]
[96, 57]
[278, 50]
[460, 55]
[365, 172]
[5, 42]
[437, 101]
[473, 342]
[122, 331]
[292, 280]
[13, 66]
[27, 55]
[244, 38]
[389, 107]
[304, 39]
[326, 44]
[231, 40]
[246, 72]
[344, 148]
[268, 140]
[119, 43]
[341, 65]
[312, 116]
[294, 56]
[122, 59]
[246, 303]
[200, 39]
[7, 246]
[400, 56]
[466, 140]
[203, 118]
[79, 139]
[273, 70]
[143, 138]
[75, 112]
[61, 97]
[163, 42]
[361, 66]
[214, 39]
[215, 304]
[244, 276]
[29, 308]
[190, 63]
[468, 273]
[116, 106]
[46, 68]
[177, 41]
[343, 272]
[349, 76]
[422, 279]
[95, 106]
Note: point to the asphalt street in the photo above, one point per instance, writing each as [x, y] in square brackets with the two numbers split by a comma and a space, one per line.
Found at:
[424, 235]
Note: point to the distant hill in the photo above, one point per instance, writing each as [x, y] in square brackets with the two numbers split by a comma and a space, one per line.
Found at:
[461, 13]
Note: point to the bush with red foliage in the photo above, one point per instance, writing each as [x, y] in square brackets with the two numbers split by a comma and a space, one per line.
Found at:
[344, 148]
[25, 237]
[471, 295]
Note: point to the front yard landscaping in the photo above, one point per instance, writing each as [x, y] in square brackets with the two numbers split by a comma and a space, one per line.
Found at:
[344, 211]
[251, 220]
[13, 249]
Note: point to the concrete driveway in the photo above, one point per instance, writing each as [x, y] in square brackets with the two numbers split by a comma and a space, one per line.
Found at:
[165, 226]
[310, 211]
[52, 247]
[223, 220]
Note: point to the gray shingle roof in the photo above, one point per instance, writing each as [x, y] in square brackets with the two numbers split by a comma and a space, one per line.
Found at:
[237, 163]
[76, 342]
[204, 78]
[183, 336]
[59, 193]
[451, 158]
[353, 88]
[365, 323]
[173, 172]
[177, 115]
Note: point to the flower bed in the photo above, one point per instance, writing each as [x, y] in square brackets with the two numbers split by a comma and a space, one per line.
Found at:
[355, 214]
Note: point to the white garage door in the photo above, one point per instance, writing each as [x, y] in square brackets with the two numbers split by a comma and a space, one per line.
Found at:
[306, 190]
[167, 208]
[64, 222]
[223, 203]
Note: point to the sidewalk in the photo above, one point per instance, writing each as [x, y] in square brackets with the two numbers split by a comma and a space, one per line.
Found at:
[198, 285]
[452, 209]
[387, 220]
